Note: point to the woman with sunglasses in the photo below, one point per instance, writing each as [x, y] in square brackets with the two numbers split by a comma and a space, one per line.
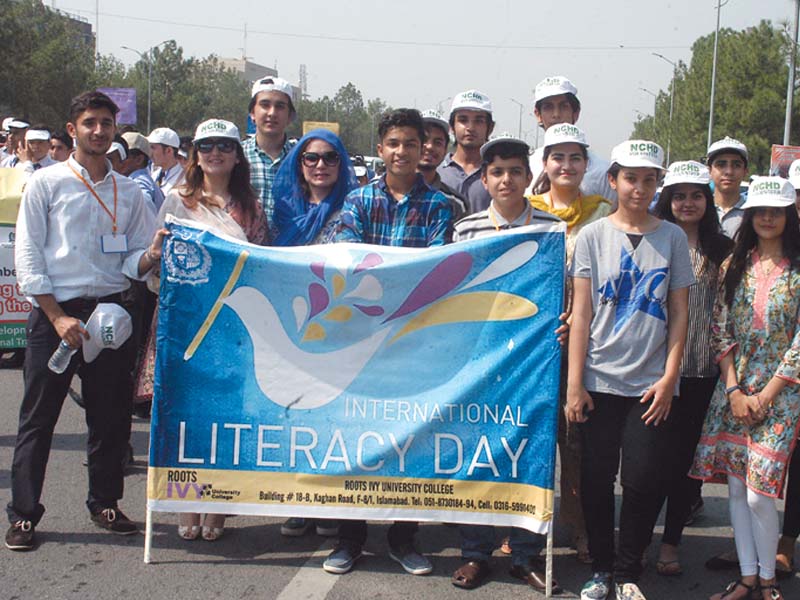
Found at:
[752, 423]
[309, 189]
[217, 193]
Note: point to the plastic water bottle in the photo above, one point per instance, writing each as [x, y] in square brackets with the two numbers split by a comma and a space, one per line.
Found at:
[59, 362]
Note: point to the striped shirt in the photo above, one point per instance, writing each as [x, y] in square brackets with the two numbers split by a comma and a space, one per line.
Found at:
[698, 355]
[490, 222]
[371, 215]
[262, 173]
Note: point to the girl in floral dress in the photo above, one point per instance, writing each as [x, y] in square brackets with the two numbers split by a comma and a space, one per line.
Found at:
[751, 426]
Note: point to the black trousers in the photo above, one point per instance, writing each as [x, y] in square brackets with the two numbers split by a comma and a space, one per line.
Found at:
[615, 427]
[791, 511]
[105, 385]
[689, 413]
[354, 533]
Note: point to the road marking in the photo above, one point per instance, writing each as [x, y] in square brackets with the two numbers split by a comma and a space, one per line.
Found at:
[311, 582]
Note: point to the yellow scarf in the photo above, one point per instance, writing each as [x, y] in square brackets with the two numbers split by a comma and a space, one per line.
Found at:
[577, 212]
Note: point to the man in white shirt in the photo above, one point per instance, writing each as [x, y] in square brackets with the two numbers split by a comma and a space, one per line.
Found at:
[16, 137]
[727, 162]
[81, 231]
[167, 171]
[35, 151]
[555, 102]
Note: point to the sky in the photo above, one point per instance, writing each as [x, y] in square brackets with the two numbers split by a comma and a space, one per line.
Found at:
[421, 53]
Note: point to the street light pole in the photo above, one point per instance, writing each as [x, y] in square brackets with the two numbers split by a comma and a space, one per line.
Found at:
[149, 59]
[671, 100]
[655, 106]
[521, 107]
[787, 125]
[720, 4]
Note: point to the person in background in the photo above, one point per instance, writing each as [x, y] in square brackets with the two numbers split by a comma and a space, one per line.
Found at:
[183, 151]
[727, 161]
[137, 167]
[164, 144]
[472, 124]
[564, 162]
[752, 421]
[437, 138]
[33, 152]
[60, 146]
[686, 200]
[117, 153]
[794, 179]
[15, 140]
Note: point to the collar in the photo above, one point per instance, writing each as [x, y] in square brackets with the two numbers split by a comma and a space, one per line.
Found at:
[524, 217]
[80, 168]
[284, 151]
[418, 186]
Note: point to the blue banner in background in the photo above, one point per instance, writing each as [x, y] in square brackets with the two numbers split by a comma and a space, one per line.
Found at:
[394, 383]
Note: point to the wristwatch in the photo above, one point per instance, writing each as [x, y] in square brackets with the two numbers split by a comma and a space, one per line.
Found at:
[733, 388]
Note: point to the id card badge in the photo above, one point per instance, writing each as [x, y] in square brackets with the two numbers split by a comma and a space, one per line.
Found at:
[111, 244]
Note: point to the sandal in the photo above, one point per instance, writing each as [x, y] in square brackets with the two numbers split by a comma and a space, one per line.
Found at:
[669, 568]
[189, 532]
[774, 591]
[753, 591]
[471, 574]
[784, 566]
[212, 534]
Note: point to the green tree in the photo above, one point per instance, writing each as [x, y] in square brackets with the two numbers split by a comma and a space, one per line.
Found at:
[48, 59]
[752, 69]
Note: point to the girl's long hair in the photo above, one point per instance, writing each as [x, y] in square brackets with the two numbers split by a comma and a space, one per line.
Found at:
[714, 244]
[747, 240]
[242, 193]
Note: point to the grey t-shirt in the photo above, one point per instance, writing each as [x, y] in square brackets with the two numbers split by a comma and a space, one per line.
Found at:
[627, 349]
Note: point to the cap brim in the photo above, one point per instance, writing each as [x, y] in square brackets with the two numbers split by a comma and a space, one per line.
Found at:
[767, 202]
[633, 163]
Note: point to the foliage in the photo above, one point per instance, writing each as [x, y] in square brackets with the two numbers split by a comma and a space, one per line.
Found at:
[752, 70]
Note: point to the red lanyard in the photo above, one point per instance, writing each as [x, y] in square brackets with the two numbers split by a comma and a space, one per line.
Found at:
[497, 227]
[100, 200]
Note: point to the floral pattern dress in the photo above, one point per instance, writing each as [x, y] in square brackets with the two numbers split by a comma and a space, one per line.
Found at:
[762, 328]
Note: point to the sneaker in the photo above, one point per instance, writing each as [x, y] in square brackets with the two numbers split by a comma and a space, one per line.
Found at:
[629, 591]
[598, 587]
[342, 559]
[327, 527]
[113, 520]
[295, 527]
[19, 536]
[411, 560]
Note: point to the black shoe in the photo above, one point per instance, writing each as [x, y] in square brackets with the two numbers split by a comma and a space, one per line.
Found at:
[142, 410]
[19, 536]
[115, 521]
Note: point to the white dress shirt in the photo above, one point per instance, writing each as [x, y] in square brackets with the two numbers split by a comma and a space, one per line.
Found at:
[59, 228]
[172, 177]
[30, 167]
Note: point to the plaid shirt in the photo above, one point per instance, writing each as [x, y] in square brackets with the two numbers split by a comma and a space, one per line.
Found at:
[262, 173]
[371, 215]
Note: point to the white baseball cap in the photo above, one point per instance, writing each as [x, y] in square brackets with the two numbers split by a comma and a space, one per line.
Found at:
[794, 173]
[272, 84]
[109, 326]
[687, 171]
[6, 121]
[638, 153]
[434, 117]
[504, 138]
[164, 136]
[471, 100]
[41, 135]
[553, 86]
[216, 128]
[770, 192]
[727, 143]
[15, 124]
[564, 133]
[119, 148]
[136, 141]
[360, 171]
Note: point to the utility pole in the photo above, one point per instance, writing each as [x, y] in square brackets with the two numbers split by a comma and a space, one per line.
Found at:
[720, 4]
[671, 101]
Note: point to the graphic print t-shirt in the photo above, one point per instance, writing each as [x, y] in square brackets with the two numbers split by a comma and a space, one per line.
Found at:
[627, 349]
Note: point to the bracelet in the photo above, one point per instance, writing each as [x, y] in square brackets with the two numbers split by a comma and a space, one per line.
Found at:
[733, 388]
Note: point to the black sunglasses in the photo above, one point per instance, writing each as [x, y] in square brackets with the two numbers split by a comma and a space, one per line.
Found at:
[331, 158]
[206, 146]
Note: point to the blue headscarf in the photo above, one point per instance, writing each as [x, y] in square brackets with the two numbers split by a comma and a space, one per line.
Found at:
[298, 221]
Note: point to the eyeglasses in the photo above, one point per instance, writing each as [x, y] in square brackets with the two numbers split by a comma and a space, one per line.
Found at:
[206, 146]
[311, 159]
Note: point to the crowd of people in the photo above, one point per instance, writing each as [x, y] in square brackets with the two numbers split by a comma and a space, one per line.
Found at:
[682, 346]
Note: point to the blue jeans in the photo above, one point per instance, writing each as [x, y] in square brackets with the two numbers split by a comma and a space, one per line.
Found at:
[478, 542]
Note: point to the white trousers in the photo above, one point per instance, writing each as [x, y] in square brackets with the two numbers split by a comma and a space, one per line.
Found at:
[755, 529]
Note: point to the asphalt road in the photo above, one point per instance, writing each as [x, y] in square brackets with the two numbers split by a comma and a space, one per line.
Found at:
[74, 559]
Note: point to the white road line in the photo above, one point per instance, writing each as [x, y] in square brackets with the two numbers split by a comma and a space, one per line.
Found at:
[311, 582]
